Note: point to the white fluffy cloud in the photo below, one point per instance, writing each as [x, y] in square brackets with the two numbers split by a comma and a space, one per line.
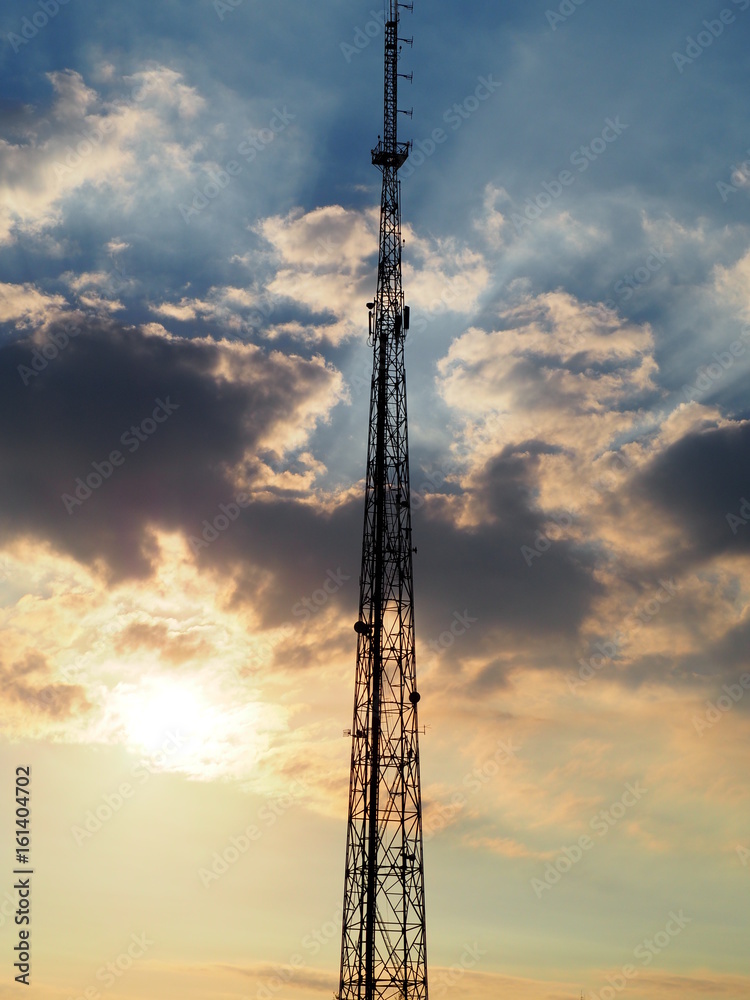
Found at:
[25, 306]
[567, 372]
[85, 142]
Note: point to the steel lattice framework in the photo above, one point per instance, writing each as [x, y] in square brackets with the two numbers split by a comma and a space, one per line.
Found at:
[383, 949]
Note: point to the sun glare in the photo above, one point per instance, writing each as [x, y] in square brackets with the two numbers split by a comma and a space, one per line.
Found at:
[159, 711]
[189, 726]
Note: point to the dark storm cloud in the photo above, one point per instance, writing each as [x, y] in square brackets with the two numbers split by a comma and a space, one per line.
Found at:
[505, 574]
[281, 549]
[291, 559]
[287, 556]
[157, 422]
[512, 573]
[700, 482]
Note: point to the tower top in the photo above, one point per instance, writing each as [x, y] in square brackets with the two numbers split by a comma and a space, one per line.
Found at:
[389, 152]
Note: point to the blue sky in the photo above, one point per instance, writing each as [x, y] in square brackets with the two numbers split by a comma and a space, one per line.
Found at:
[188, 217]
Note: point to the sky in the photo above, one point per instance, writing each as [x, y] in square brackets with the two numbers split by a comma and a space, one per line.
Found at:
[188, 238]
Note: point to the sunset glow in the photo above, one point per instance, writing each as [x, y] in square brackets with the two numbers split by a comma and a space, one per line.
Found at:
[188, 242]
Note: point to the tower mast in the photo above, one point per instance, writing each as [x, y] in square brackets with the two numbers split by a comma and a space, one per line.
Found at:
[383, 947]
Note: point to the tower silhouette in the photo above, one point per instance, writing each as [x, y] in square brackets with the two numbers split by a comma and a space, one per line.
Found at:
[383, 946]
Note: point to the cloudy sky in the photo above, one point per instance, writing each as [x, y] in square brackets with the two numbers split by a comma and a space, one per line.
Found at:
[188, 237]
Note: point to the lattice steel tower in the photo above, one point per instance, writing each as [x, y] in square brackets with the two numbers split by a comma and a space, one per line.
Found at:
[383, 947]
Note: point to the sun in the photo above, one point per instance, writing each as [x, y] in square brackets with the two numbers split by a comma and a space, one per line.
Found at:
[163, 708]
[190, 725]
